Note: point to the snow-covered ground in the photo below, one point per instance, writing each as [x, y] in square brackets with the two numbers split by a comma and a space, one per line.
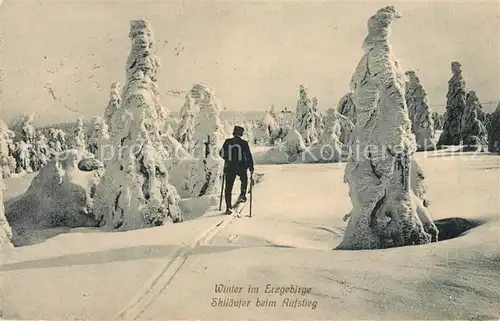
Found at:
[170, 272]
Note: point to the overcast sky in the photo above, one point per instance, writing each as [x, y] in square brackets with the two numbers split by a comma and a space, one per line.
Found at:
[59, 56]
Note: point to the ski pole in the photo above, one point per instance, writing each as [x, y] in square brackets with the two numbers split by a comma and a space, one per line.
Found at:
[251, 192]
[222, 190]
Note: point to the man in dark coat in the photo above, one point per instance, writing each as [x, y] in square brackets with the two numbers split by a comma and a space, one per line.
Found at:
[238, 159]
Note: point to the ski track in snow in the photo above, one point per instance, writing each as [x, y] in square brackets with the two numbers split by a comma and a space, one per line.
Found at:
[152, 289]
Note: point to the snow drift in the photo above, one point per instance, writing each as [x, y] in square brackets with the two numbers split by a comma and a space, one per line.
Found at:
[61, 195]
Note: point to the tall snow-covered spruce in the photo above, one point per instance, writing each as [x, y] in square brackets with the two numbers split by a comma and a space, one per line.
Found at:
[386, 212]
[206, 174]
[455, 106]
[135, 191]
[420, 114]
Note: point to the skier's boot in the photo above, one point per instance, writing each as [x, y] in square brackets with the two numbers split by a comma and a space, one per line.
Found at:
[228, 211]
[242, 199]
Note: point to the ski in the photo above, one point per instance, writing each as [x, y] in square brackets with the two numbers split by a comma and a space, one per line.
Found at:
[238, 208]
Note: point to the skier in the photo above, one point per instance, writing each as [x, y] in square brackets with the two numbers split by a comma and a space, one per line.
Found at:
[237, 160]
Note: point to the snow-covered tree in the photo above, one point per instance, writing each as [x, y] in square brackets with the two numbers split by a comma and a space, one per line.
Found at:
[267, 130]
[272, 112]
[437, 120]
[98, 137]
[494, 132]
[206, 175]
[305, 117]
[41, 144]
[135, 191]
[487, 121]
[56, 140]
[386, 212]
[249, 132]
[473, 131]
[23, 127]
[338, 125]
[185, 130]
[347, 108]
[5, 230]
[319, 123]
[22, 154]
[113, 105]
[78, 141]
[42, 150]
[29, 129]
[293, 144]
[227, 129]
[7, 160]
[328, 148]
[35, 161]
[419, 112]
[455, 105]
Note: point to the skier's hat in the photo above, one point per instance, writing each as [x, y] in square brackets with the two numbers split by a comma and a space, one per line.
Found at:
[238, 130]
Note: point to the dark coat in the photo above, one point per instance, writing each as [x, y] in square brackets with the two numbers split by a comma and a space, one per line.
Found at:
[236, 154]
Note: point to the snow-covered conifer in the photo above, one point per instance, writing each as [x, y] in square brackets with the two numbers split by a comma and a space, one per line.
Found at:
[494, 132]
[437, 120]
[386, 211]
[293, 144]
[135, 191]
[455, 106]
[206, 174]
[185, 130]
[113, 105]
[78, 141]
[5, 229]
[473, 130]
[319, 122]
[7, 160]
[304, 121]
[419, 112]
[347, 108]
[98, 138]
